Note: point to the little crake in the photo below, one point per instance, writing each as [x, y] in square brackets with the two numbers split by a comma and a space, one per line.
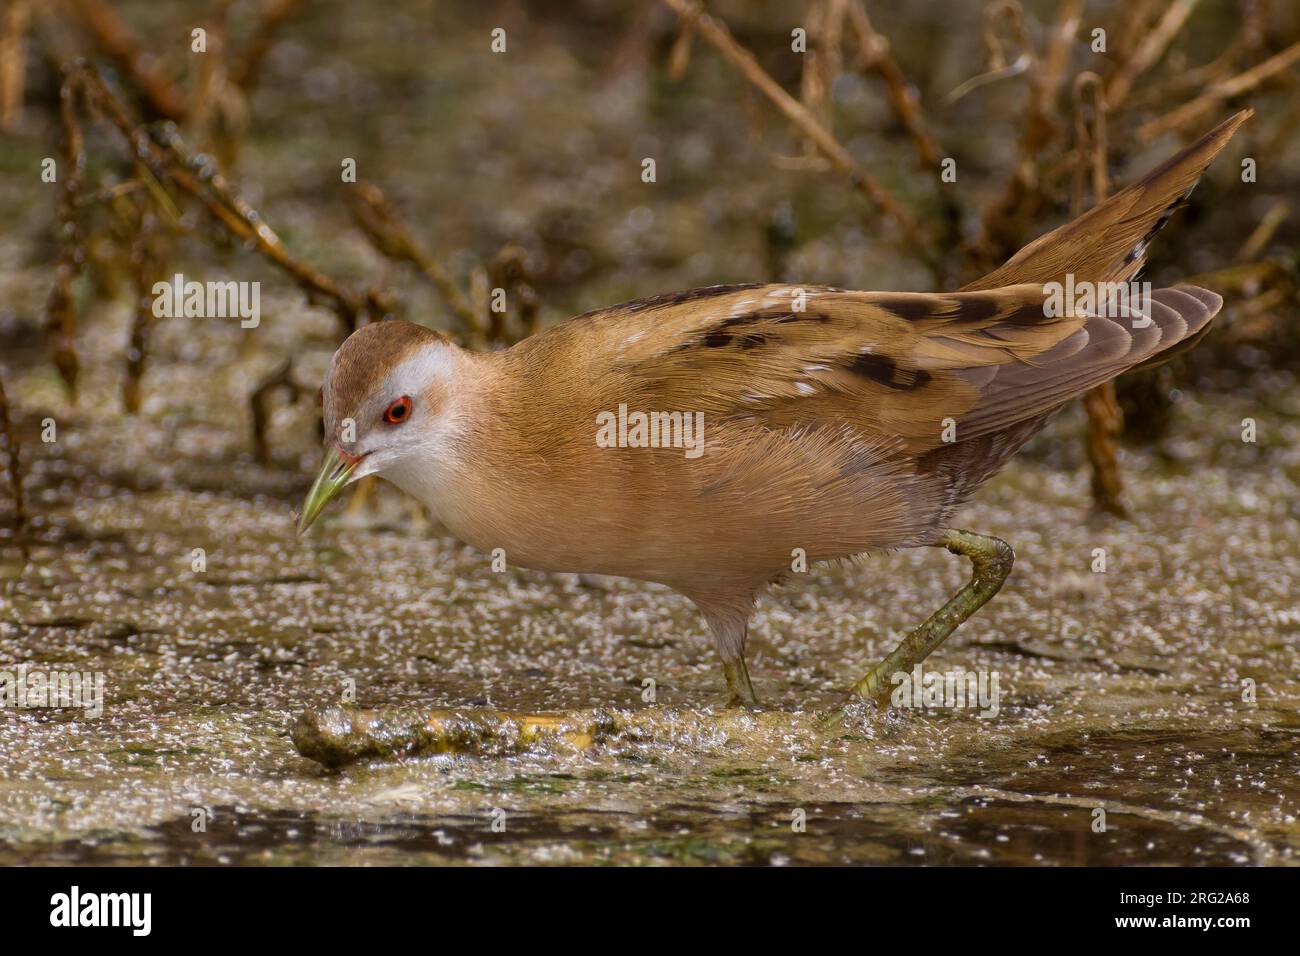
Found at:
[837, 423]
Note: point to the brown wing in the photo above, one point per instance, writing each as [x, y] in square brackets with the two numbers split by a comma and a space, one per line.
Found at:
[1016, 399]
[895, 365]
[1097, 352]
[888, 364]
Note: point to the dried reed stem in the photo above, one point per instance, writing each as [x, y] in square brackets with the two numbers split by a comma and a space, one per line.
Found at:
[200, 177]
[148, 267]
[1105, 419]
[1262, 233]
[275, 14]
[1150, 50]
[61, 305]
[13, 467]
[1005, 220]
[279, 380]
[117, 42]
[211, 73]
[14, 19]
[1220, 92]
[381, 223]
[719, 37]
[874, 55]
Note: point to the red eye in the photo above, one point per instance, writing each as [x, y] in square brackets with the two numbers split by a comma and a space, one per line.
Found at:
[399, 410]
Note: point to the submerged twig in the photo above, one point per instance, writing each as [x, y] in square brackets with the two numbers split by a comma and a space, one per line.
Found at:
[336, 736]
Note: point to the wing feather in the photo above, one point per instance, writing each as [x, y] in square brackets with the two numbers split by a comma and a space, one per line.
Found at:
[893, 367]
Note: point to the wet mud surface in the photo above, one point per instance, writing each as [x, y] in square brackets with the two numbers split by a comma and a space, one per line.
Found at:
[1124, 691]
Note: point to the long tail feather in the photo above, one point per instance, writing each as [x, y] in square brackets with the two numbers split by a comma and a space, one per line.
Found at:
[1108, 242]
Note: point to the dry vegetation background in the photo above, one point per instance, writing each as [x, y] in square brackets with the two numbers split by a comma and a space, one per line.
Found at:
[522, 170]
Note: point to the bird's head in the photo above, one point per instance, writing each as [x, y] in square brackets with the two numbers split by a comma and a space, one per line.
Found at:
[387, 402]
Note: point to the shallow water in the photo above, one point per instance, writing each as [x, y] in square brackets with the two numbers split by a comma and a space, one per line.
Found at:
[1121, 691]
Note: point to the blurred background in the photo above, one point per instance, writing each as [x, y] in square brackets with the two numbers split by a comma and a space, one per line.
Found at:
[472, 170]
[406, 159]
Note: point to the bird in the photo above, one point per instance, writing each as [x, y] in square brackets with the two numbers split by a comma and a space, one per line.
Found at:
[700, 439]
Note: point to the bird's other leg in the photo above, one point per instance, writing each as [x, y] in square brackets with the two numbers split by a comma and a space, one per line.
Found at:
[740, 691]
[729, 627]
[992, 558]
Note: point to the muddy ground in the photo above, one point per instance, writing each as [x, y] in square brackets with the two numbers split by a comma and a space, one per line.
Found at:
[1163, 691]
[1121, 691]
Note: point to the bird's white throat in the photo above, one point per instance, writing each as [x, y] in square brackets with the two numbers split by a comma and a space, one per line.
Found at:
[424, 460]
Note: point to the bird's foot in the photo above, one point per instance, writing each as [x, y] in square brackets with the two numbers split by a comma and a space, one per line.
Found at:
[854, 707]
[875, 686]
[991, 560]
[738, 683]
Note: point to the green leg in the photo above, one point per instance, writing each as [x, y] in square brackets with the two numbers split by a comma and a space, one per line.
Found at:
[742, 691]
[992, 559]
